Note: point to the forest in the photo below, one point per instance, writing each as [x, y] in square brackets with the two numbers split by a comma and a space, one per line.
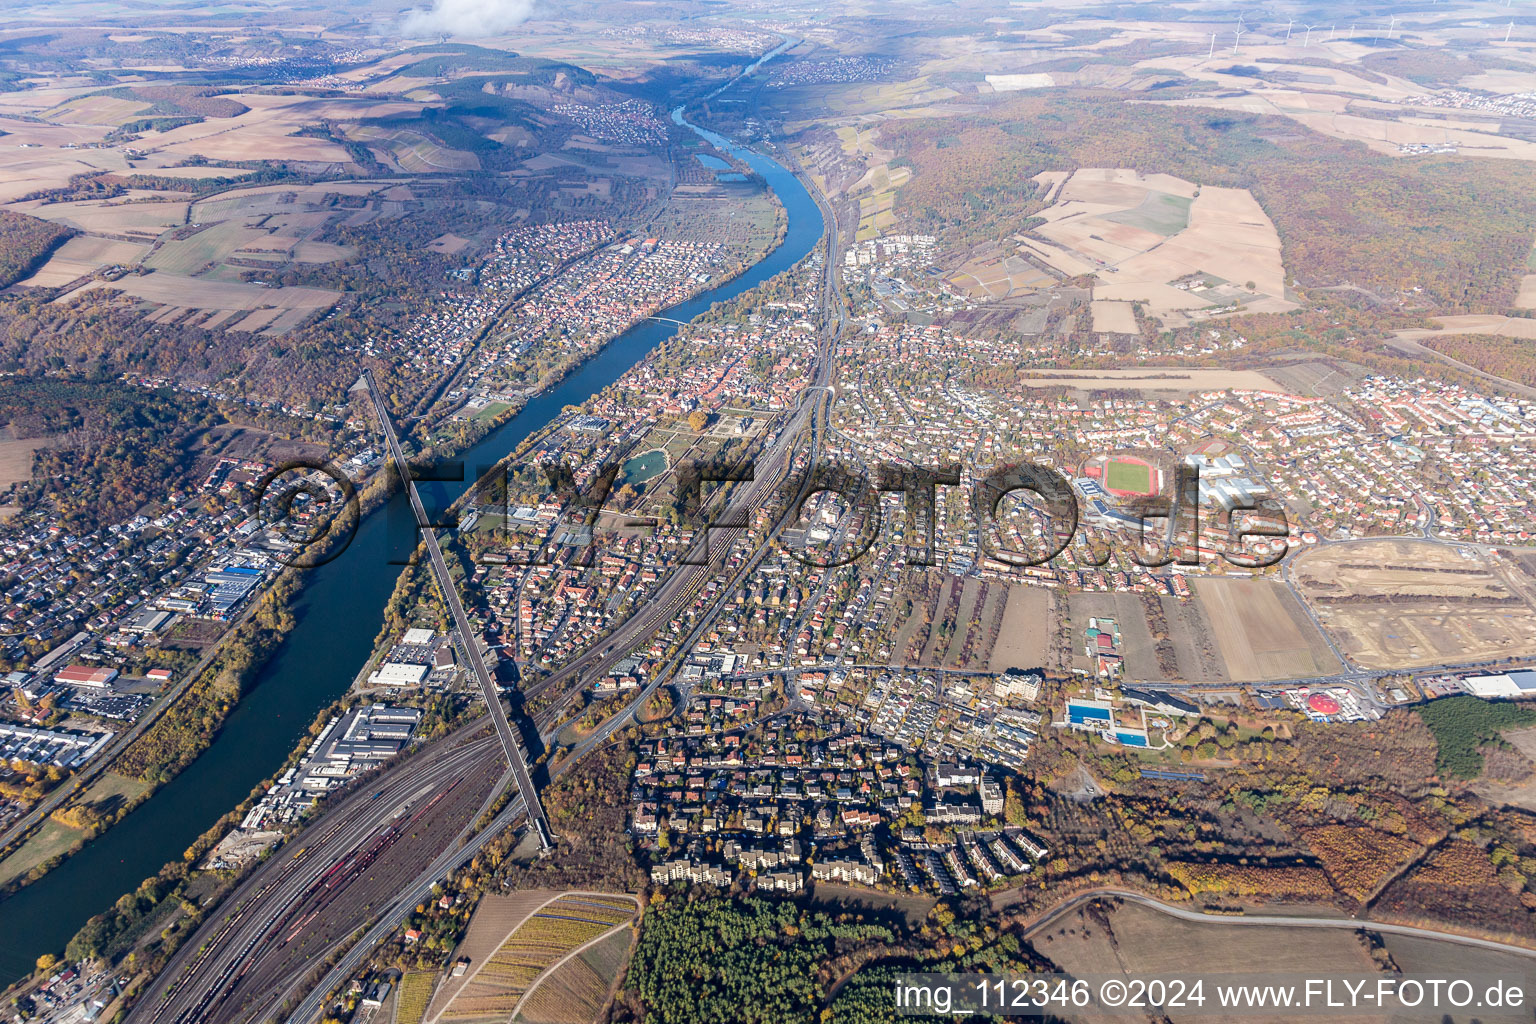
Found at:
[1514, 359]
[711, 958]
[752, 960]
[1462, 726]
[122, 447]
[25, 243]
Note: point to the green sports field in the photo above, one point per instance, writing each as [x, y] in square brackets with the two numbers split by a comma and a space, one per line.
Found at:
[1128, 476]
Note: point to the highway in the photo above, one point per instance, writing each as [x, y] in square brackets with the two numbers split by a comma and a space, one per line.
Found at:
[468, 638]
[313, 870]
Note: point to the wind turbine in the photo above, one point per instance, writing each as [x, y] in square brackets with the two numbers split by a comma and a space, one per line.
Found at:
[1307, 39]
[1392, 29]
[1288, 25]
[1508, 31]
[1237, 37]
[1213, 47]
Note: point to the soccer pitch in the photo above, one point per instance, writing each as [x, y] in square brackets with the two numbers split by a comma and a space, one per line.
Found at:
[1128, 476]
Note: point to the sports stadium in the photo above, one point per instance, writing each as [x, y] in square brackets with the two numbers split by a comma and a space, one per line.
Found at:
[1125, 476]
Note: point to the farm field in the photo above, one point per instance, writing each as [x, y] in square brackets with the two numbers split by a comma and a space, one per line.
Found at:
[53, 154]
[1148, 941]
[1140, 235]
[16, 459]
[875, 214]
[1379, 134]
[495, 918]
[1194, 647]
[267, 130]
[1415, 956]
[72, 142]
[1188, 655]
[997, 277]
[196, 171]
[1025, 638]
[541, 938]
[1138, 648]
[1527, 297]
[448, 244]
[1478, 323]
[1409, 604]
[201, 251]
[97, 110]
[217, 303]
[576, 991]
[979, 606]
[886, 99]
[415, 989]
[81, 255]
[412, 152]
[1113, 317]
[141, 220]
[1261, 632]
[1139, 941]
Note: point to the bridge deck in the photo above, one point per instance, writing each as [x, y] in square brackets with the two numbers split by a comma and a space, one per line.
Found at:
[468, 643]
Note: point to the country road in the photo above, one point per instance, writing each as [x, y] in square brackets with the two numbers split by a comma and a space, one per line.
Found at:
[1271, 921]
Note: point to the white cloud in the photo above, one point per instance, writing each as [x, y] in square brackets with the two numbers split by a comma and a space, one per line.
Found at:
[471, 18]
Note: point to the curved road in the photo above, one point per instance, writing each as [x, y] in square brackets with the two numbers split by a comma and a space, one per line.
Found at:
[1273, 921]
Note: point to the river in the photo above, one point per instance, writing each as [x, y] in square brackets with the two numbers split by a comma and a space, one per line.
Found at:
[338, 613]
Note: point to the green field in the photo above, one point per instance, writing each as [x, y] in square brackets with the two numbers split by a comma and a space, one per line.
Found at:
[111, 788]
[491, 410]
[1128, 476]
[50, 840]
[608, 957]
[1159, 213]
[211, 245]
